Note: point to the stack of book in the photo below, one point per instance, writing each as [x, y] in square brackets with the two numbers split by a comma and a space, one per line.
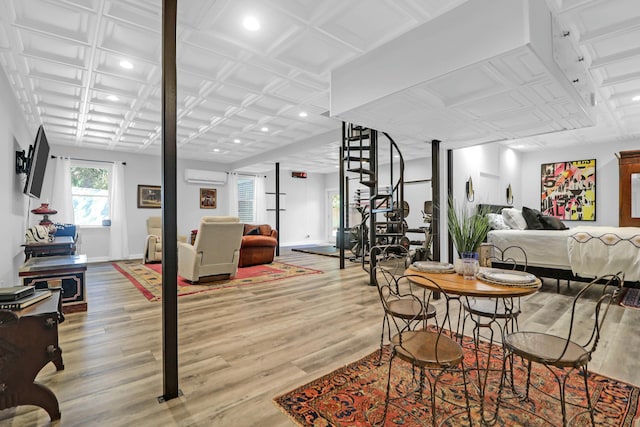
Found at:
[19, 297]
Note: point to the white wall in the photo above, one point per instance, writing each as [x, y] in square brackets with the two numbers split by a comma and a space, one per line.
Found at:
[607, 177]
[15, 135]
[146, 170]
[491, 167]
[303, 221]
[304, 201]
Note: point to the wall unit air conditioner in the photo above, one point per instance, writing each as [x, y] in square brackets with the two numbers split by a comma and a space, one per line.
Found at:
[198, 176]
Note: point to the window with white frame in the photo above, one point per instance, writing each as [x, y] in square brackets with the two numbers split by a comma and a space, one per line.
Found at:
[246, 199]
[90, 193]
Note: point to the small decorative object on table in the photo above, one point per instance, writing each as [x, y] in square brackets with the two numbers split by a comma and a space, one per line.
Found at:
[470, 264]
[45, 211]
[467, 230]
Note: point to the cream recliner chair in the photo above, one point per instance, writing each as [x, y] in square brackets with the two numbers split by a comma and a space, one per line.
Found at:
[215, 252]
[153, 244]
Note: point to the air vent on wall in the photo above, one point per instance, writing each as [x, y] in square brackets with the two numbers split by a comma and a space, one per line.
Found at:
[197, 176]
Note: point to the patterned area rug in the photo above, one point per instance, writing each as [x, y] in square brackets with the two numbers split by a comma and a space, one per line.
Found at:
[354, 396]
[631, 298]
[148, 277]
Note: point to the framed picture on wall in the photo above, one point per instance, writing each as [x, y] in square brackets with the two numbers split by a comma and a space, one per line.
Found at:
[149, 196]
[208, 198]
[569, 190]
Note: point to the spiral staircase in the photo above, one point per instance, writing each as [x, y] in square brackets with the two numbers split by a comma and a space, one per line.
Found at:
[383, 205]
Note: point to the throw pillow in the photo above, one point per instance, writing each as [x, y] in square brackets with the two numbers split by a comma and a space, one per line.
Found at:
[552, 223]
[38, 233]
[532, 217]
[514, 219]
[253, 232]
[496, 222]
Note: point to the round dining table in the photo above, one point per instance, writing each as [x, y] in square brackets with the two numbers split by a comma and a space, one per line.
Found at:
[456, 284]
[457, 287]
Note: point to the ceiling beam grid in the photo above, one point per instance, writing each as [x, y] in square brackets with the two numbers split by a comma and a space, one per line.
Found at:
[84, 107]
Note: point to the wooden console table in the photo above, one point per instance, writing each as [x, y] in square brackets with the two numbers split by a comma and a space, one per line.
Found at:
[61, 245]
[69, 269]
[28, 341]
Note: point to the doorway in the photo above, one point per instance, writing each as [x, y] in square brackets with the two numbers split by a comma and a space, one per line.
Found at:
[333, 215]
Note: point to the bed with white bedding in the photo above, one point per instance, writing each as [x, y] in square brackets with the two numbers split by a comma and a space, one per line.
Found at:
[579, 253]
[544, 248]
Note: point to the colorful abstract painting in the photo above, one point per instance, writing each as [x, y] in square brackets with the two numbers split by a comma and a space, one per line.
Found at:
[569, 190]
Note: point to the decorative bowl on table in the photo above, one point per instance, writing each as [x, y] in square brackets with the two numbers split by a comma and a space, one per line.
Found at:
[432, 267]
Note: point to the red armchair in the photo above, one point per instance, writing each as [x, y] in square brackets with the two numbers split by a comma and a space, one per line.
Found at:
[258, 245]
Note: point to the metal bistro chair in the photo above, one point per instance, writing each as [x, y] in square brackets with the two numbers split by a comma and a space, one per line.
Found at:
[487, 312]
[572, 350]
[494, 309]
[426, 349]
[391, 262]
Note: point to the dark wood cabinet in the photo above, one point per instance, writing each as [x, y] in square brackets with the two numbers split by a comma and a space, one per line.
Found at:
[29, 341]
[629, 164]
[69, 270]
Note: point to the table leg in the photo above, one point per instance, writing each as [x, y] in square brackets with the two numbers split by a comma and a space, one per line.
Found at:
[485, 363]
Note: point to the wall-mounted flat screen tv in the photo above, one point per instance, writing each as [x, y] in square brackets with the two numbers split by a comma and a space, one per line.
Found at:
[37, 164]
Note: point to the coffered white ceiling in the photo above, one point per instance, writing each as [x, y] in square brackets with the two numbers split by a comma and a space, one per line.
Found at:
[63, 59]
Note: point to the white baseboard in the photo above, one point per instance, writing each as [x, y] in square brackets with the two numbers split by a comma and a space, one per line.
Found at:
[106, 259]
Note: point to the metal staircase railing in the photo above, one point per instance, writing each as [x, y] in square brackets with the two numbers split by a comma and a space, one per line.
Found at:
[360, 156]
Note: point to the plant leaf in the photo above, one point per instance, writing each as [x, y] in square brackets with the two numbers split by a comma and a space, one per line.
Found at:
[468, 230]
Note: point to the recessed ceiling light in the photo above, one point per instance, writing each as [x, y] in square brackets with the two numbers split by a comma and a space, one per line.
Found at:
[303, 114]
[126, 64]
[264, 129]
[636, 98]
[112, 98]
[216, 150]
[236, 141]
[251, 23]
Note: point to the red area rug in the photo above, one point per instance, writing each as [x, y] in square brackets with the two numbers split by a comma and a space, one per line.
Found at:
[631, 298]
[148, 277]
[354, 396]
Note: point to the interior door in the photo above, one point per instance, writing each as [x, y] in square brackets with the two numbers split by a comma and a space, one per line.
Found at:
[333, 215]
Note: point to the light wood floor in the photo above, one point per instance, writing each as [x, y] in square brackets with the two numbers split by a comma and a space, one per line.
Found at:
[241, 347]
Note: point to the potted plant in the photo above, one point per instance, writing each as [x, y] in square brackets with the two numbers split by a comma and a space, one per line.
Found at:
[467, 229]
